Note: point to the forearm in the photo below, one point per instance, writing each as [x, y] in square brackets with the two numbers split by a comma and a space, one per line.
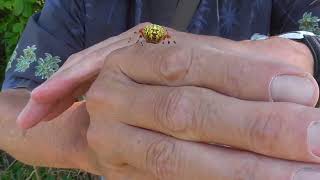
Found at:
[60, 143]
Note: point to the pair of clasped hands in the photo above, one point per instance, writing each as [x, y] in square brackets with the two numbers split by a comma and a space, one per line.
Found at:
[204, 108]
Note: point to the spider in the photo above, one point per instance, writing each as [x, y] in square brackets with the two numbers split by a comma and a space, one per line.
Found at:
[154, 34]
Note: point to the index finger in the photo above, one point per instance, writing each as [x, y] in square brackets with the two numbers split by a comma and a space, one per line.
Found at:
[80, 68]
[169, 158]
[67, 83]
[195, 61]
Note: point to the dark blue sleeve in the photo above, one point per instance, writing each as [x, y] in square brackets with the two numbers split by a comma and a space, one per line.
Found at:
[49, 38]
[293, 15]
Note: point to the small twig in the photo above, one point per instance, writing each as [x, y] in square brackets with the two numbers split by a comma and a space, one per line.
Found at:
[79, 171]
[30, 176]
[37, 173]
[11, 165]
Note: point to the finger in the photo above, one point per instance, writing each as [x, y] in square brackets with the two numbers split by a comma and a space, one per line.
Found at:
[68, 101]
[202, 115]
[61, 107]
[168, 158]
[66, 81]
[33, 113]
[62, 85]
[233, 74]
[89, 61]
[78, 57]
[31, 116]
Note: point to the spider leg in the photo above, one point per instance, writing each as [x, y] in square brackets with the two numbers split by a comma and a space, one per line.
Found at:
[168, 37]
[140, 40]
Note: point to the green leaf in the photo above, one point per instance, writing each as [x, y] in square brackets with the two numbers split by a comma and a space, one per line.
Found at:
[18, 27]
[8, 35]
[7, 5]
[27, 11]
[18, 7]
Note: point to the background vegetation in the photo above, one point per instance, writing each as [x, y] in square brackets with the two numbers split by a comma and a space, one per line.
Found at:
[13, 18]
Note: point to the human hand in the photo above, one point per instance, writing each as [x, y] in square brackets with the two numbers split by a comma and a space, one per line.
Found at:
[61, 143]
[69, 82]
[145, 93]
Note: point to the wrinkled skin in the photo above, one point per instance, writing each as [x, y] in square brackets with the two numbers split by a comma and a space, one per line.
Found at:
[151, 106]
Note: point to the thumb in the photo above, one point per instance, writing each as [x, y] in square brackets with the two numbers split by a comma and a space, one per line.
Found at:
[33, 113]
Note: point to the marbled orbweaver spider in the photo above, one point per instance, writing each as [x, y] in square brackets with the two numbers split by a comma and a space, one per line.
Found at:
[154, 34]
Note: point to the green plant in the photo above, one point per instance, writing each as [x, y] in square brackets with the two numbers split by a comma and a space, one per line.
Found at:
[11, 169]
[309, 23]
[14, 15]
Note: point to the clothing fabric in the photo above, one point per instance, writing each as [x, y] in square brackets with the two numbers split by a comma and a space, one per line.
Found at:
[65, 27]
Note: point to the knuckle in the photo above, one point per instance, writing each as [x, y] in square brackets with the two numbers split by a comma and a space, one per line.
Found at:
[114, 56]
[74, 56]
[265, 129]
[174, 65]
[92, 136]
[119, 55]
[98, 54]
[175, 111]
[97, 99]
[232, 78]
[162, 158]
[94, 93]
[101, 135]
[104, 135]
[108, 81]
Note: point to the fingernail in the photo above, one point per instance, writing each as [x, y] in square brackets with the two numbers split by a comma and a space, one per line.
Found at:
[296, 89]
[307, 174]
[314, 138]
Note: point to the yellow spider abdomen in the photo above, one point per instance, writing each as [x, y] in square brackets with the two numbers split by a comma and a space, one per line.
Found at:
[154, 33]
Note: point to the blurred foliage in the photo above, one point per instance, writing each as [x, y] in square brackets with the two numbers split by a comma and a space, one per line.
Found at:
[309, 23]
[14, 15]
